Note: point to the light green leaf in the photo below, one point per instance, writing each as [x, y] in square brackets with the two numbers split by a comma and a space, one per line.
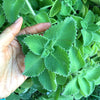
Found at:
[89, 18]
[34, 65]
[96, 37]
[78, 96]
[63, 34]
[65, 9]
[87, 37]
[42, 17]
[78, 20]
[61, 80]
[93, 74]
[55, 8]
[35, 43]
[53, 21]
[84, 86]
[12, 9]
[77, 62]
[71, 88]
[48, 80]
[93, 27]
[58, 61]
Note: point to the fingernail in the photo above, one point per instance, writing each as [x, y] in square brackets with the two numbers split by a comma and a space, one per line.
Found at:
[17, 20]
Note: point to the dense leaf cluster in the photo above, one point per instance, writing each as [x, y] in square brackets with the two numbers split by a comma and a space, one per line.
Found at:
[64, 63]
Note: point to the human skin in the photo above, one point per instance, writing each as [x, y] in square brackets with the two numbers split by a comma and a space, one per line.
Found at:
[12, 57]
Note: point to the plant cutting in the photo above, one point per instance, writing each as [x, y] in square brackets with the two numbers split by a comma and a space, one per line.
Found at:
[64, 62]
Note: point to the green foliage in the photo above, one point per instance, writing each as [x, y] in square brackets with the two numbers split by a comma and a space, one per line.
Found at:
[64, 63]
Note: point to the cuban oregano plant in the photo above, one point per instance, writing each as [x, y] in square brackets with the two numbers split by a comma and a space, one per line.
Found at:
[64, 63]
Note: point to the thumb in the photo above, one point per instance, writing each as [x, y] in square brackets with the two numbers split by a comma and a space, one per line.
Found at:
[8, 35]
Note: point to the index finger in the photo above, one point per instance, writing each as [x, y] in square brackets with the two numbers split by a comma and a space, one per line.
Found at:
[35, 29]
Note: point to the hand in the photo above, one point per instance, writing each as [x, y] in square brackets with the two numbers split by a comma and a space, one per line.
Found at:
[12, 58]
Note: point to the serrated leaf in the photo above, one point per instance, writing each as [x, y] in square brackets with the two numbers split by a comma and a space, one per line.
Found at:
[93, 74]
[34, 65]
[58, 61]
[55, 8]
[35, 43]
[63, 34]
[77, 62]
[12, 9]
[87, 37]
[71, 88]
[48, 80]
[84, 86]
[42, 17]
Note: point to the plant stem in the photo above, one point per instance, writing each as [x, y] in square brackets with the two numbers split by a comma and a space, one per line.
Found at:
[29, 5]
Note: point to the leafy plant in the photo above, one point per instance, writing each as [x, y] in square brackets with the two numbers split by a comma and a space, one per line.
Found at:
[64, 63]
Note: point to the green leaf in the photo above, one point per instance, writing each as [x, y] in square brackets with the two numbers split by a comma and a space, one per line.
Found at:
[87, 37]
[34, 65]
[63, 34]
[65, 9]
[12, 9]
[42, 17]
[96, 1]
[2, 17]
[89, 18]
[58, 61]
[48, 80]
[13, 96]
[55, 8]
[61, 80]
[77, 62]
[93, 74]
[78, 20]
[96, 37]
[93, 27]
[45, 2]
[84, 86]
[35, 43]
[78, 96]
[27, 84]
[71, 88]
[20, 39]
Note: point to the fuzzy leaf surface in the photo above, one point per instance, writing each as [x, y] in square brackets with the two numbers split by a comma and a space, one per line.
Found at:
[84, 86]
[34, 65]
[35, 43]
[63, 34]
[93, 74]
[58, 61]
[48, 80]
[12, 9]
[76, 59]
[71, 88]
